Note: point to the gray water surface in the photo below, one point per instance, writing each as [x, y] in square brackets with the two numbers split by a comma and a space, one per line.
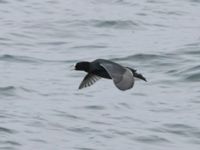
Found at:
[40, 105]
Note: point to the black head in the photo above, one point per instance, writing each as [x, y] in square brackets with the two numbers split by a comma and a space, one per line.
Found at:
[84, 66]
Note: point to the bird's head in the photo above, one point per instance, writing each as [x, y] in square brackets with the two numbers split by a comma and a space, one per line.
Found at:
[84, 66]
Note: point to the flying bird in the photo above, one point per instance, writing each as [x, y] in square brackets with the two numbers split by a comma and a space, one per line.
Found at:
[123, 77]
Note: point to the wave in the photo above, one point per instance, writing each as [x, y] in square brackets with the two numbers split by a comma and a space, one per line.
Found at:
[118, 24]
[7, 91]
[27, 59]
[115, 24]
[13, 90]
[14, 58]
[6, 130]
[7, 88]
[193, 77]
[176, 66]
[190, 74]
[150, 59]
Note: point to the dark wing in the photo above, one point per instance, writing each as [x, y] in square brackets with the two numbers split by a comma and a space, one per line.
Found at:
[122, 77]
[88, 80]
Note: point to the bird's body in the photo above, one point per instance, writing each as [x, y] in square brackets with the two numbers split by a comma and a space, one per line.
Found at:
[98, 70]
[123, 77]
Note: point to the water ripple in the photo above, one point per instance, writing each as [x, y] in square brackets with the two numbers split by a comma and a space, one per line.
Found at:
[95, 107]
[81, 130]
[193, 77]
[83, 148]
[7, 91]
[27, 59]
[179, 129]
[142, 57]
[152, 139]
[116, 24]
[3, 1]
[6, 130]
[14, 58]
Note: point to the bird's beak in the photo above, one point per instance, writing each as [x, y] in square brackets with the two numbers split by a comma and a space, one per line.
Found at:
[72, 67]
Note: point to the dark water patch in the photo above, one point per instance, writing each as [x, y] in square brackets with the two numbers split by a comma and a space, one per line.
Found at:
[67, 115]
[142, 14]
[4, 39]
[182, 130]
[27, 59]
[163, 110]
[34, 91]
[3, 1]
[13, 143]
[115, 2]
[156, 2]
[127, 119]
[84, 148]
[101, 123]
[36, 123]
[13, 90]
[190, 49]
[142, 57]
[107, 136]
[153, 139]
[14, 58]
[179, 126]
[25, 45]
[139, 94]
[38, 140]
[56, 43]
[3, 116]
[189, 74]
[159, 25]
[92, 47]
[7, 148]
[7, 88]
[193, 52]
[166, 63]
[56, 126]
[83, 130]
[113, 24]
[8, 91]
[195, 68]
[125, 105]
[20, 35]
[116, 24]
[6, 130]
[83, 94]
[27, 90]
[195, 77]
[196, 100]
[170, 13]
[127, 3]
[95, 107]
[189, 70]
[120, 132]
[195, 1]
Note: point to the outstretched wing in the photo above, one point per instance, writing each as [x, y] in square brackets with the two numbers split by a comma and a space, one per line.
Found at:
[88, 80]
[122, 77]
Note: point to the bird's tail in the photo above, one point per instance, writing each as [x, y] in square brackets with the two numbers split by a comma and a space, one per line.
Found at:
[137, 75]
[140, 76]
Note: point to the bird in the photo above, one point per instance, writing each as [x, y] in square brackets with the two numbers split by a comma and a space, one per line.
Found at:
[123, 77]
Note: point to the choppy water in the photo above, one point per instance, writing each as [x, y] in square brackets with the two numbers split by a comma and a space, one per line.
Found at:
[40, 106]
